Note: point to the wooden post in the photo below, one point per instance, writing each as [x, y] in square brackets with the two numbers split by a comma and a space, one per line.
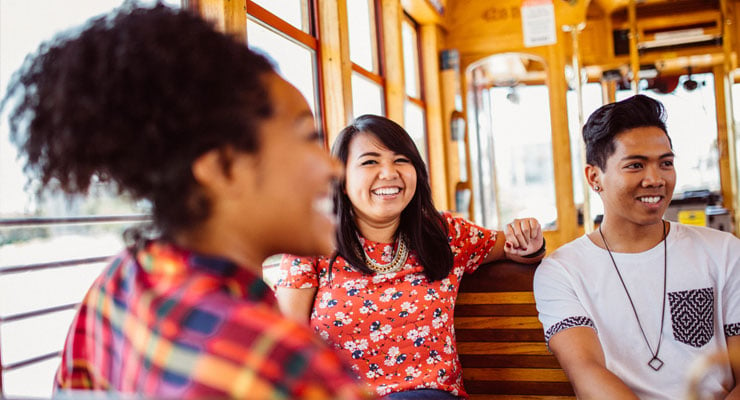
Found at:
[336, 67]
[437, 132]
[727, 80]
[634, 55]
[567, 229]
[395, 90]
[229, 16]
[449, 81]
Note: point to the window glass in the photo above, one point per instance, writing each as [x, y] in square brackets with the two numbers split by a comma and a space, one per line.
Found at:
[295, 62]
[415, 126]
[24, 24]
[522, 148]
[692, 126]
[592, 100]
[481, 155]
[411, 59]
[362, 38]
[367, 96]
[294, 12]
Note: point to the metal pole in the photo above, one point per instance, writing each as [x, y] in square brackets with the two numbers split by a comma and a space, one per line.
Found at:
[575, 31]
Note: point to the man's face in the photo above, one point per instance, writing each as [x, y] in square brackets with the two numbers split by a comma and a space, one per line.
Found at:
[637, 184]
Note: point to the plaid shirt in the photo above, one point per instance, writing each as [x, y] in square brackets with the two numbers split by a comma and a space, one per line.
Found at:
[171, 323]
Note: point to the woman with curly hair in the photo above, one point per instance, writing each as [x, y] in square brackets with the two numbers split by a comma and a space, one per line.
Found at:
[165, 108]
[386, 300]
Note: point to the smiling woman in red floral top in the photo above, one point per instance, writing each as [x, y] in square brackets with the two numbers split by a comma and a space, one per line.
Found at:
[386, 300]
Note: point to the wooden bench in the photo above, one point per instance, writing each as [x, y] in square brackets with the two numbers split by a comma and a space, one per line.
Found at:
[500, 340]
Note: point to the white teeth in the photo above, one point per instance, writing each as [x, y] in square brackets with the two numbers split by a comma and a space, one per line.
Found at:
[650, 200]
[387, 191]
[324, 205]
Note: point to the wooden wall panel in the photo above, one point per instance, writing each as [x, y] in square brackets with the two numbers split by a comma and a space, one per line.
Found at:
[485, 27]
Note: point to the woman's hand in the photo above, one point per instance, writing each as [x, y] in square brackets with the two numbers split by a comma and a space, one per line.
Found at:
[523, 238]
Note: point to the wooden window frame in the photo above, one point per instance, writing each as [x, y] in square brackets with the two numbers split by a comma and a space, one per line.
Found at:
[379, 77]
[418, 101]
[310, 40]
[420, 73]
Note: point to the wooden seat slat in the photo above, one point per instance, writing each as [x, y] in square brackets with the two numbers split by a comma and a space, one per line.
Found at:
[500, 276]
[510, 361]
[516, 397]
[536, 349]
[515, 374]
[499, 335]
[494, 322]
[492, 297]
[519, 387]
[471, 310]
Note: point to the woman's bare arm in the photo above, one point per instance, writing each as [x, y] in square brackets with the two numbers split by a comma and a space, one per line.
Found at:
[296, 304]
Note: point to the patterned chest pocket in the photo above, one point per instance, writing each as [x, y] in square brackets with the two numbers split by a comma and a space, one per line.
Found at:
[692, 315]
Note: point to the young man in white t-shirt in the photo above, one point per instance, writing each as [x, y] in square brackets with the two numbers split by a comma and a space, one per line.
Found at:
[628, 308]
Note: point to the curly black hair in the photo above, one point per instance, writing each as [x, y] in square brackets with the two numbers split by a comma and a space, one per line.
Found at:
[610, 120]
[134, 99]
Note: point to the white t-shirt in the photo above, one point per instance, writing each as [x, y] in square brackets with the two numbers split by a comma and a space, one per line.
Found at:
[578, 286]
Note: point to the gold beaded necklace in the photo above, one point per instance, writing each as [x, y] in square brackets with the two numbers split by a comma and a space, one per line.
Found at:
[398, 261]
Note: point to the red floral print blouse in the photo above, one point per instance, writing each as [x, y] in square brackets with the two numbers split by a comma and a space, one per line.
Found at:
[397, 328]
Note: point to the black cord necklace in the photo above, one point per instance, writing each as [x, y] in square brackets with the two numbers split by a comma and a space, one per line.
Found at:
[655, 362]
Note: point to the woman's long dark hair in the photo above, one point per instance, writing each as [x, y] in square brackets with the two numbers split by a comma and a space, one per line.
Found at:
[422, 225]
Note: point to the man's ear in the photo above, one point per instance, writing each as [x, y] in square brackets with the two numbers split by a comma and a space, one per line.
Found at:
[593, 177]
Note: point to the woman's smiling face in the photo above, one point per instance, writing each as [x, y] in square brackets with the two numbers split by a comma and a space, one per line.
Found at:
[379, 182]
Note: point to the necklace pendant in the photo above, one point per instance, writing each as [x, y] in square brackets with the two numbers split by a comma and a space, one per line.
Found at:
[655, 363]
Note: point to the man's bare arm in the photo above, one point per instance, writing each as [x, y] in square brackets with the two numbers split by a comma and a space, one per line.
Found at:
[580, 354]
[733, 347]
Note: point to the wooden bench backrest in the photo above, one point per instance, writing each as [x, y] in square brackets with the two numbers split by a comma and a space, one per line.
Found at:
[500, 340]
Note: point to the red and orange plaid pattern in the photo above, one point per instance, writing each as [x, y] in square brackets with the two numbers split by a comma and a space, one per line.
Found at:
[171, 323]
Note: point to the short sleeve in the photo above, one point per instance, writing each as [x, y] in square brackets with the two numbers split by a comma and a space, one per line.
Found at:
[298, 272]
[731, 290]
[557, 302]
[470, 243]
